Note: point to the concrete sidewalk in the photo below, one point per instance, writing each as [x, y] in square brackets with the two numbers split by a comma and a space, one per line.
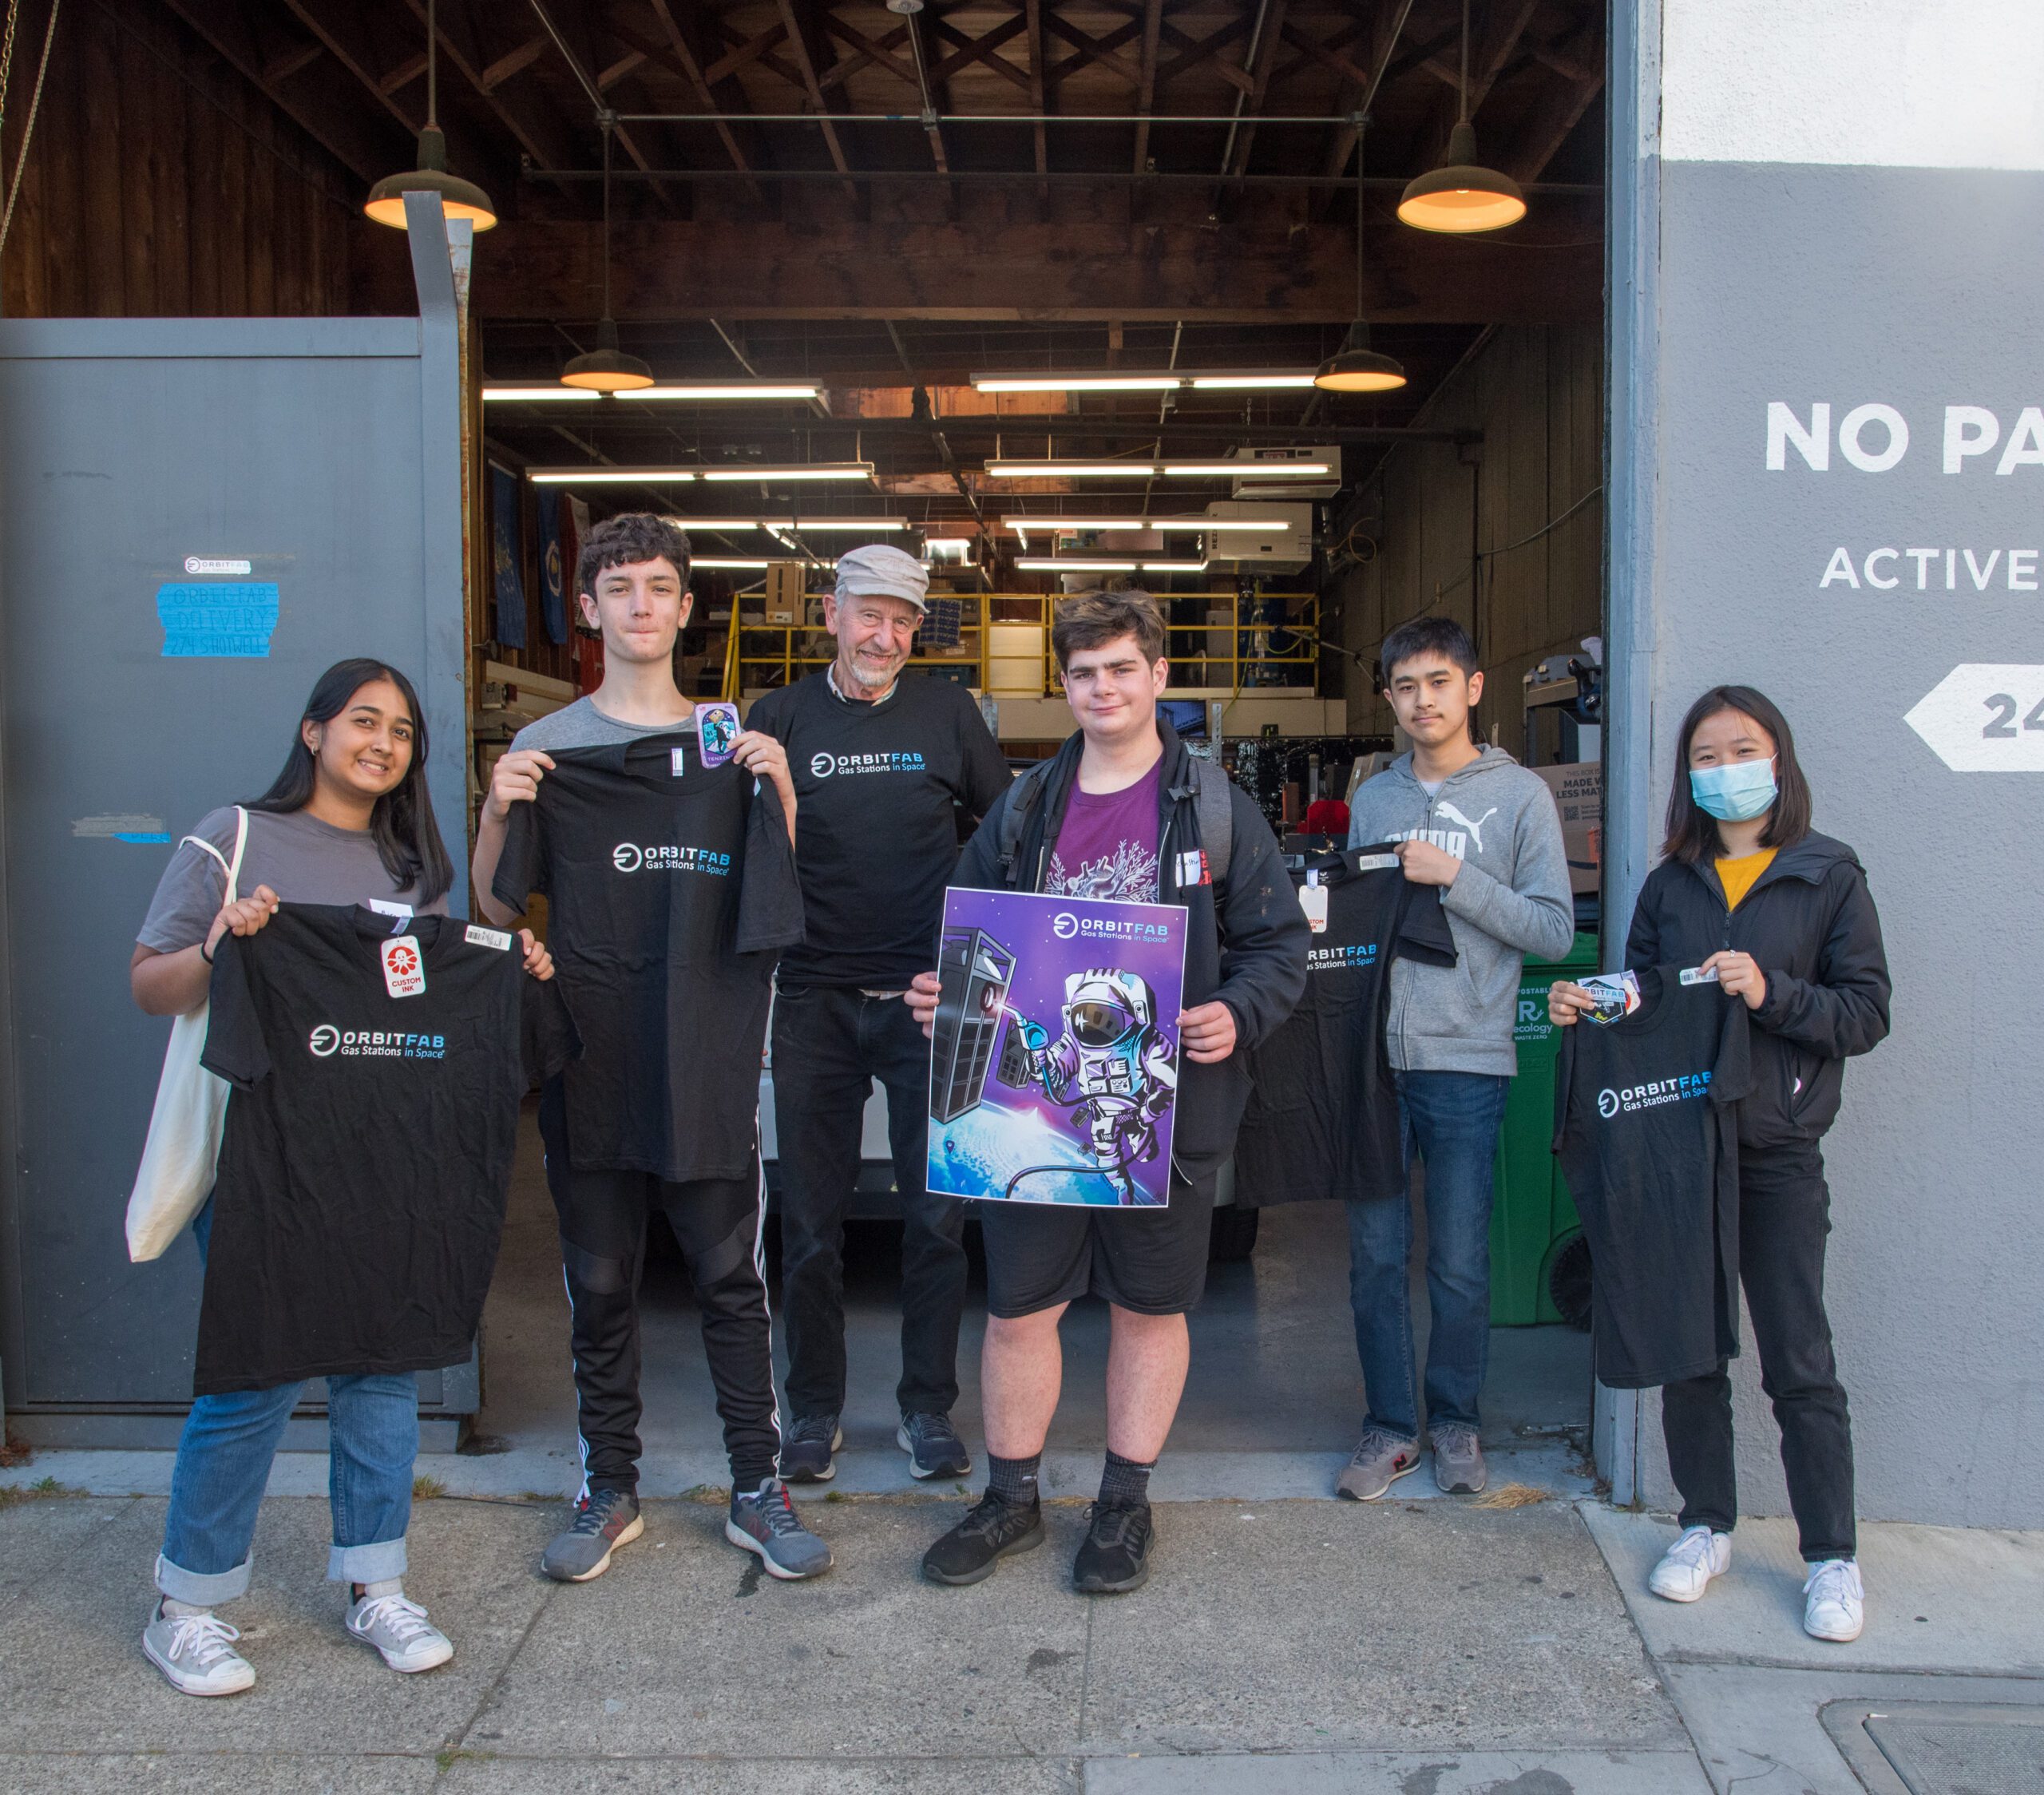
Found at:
[1414, 1648]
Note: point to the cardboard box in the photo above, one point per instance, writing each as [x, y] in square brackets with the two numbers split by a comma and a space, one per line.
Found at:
[1579, 790]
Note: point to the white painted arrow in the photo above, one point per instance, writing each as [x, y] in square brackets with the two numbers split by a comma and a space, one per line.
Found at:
[1984, 717]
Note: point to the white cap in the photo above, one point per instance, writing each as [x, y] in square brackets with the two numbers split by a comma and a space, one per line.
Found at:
[883, 570]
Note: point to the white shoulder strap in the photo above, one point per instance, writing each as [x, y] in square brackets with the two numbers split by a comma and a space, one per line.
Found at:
[231, 869]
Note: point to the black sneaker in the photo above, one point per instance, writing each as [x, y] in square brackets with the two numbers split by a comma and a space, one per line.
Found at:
[1116, 1558]
[933, 1447]
[604, 1520]
[992, 1528]
[808, 1453]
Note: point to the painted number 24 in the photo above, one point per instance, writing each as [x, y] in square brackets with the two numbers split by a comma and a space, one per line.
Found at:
[2002, 725]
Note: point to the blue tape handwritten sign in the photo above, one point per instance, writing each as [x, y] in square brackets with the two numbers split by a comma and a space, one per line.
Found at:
[226, 619]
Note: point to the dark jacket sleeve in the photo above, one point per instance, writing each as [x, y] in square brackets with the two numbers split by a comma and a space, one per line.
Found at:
[979, 863]
[1643, 943]
[1845, 1010]
[1264, 933]
[984, 768]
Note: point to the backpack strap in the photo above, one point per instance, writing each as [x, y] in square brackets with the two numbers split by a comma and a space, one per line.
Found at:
[1214, 800]
[1023, 795]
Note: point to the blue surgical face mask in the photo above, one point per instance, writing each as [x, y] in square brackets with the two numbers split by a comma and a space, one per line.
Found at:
[1737, 793]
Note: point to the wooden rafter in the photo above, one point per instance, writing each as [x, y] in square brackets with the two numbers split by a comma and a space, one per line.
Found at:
[796, 29]
[1546, 129]
[1266, 60]
[1196, 53]
[981, 49]
[1032, 14]
[685, 63]
[1146, 88]
[1087, 50]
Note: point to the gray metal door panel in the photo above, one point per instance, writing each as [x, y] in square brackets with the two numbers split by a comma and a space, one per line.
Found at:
[127, 446]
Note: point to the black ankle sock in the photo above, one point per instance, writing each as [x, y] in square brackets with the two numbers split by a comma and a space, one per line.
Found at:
[1014, 1479]
[1124, 1480]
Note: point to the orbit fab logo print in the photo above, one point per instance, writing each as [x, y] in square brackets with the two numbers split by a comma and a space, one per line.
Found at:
[823, 765]
[1607, 1103]
[1065, 925]
[325, 1038]
[650, 857]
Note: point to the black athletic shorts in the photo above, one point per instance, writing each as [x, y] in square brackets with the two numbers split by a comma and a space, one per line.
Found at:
[1150, 1261]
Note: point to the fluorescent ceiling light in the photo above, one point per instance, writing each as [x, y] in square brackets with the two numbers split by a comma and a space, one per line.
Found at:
[725, 561]
[730, 389]
[551, 393]
[1045, 564]
[814, 471]
[1195, 523]
[1174, 567]
[1272, 379]
[1175, 471]
[613, 476]
[876, 525]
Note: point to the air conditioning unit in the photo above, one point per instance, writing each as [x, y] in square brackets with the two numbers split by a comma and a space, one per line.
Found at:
[1244, 551]
[1306, 486]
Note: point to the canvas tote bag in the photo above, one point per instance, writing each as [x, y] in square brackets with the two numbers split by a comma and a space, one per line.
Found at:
[176, 1173]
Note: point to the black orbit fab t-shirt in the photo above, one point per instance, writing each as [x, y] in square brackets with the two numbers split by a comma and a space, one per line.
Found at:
[879, 789]
[1646, 1125]
[368, 1143]
[1322, 1120]
[671, 888]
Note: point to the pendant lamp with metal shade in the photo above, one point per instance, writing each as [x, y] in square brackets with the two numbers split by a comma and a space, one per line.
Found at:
[458, 198]
[1355, 367]
[1461, 196]
[607, 368]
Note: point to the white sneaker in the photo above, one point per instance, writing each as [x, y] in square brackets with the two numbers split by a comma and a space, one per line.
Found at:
[1687, 1567]
[196, 1653]
[397, 1628]
[1835, 1606]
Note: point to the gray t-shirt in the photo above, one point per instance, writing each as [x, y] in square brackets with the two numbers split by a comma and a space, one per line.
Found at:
[581, 725]
[302, 859]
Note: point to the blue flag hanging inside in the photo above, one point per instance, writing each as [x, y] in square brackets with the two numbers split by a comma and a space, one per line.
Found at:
[504, 554]
[553, 595]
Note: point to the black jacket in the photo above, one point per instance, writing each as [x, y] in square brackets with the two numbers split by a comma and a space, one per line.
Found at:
[1810, 922]
[1246, 941]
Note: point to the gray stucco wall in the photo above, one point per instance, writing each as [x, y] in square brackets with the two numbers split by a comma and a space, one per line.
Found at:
[1848, 282]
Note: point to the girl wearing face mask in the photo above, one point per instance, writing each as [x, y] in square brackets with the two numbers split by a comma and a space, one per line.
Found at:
[1783, 916]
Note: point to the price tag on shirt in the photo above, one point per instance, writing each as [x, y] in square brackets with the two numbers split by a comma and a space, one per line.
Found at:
[478, 937]
[1697, 975]
[404, 967]
[1313, 900]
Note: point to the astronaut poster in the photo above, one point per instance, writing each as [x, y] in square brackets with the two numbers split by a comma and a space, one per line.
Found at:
[1054, 1070]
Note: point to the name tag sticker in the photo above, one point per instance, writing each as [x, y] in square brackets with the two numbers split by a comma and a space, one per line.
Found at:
[716, 728]
[1696, 975]
[677, 762]
[404, 967]
[1192, 868]
[497, 938]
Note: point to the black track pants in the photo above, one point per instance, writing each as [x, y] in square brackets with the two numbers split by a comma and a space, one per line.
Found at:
[1784, 1218]
[602, 1248]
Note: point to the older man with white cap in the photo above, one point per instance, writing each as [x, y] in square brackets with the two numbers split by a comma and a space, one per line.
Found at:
[886, 769]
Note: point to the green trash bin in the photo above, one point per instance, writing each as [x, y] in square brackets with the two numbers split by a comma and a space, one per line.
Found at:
[1532, 1214]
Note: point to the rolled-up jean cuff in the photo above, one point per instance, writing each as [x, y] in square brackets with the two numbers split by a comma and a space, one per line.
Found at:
[202, 1589]
[366, 1564]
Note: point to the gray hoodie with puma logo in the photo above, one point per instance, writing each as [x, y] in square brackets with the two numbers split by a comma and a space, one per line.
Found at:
[1510, 900]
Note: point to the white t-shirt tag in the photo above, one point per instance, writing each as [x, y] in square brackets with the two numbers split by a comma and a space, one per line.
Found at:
[677, 762]
[404, 967]
[384, 906]
[478, 937]
[1313, 900]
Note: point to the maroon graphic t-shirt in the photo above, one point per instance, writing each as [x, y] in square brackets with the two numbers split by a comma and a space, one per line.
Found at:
[1107, 845]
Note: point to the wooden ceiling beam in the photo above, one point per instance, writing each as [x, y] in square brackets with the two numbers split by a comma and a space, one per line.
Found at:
[281, 67]
[512, 61]
[688, 65]
[982, 50]
[1088, 50]
[1146, 88]
[366, 144]
[1266, 60]
[1032, 13]
[1547, 127]
[986, 266]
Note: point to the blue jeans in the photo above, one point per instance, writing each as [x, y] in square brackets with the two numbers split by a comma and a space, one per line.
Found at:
[224, 1464]
[1451, 1120]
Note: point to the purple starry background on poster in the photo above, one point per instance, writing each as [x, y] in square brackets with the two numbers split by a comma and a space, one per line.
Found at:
[979, 1150]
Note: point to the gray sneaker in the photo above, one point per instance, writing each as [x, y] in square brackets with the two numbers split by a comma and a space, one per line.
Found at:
[767, 1523]
[399, 1630]
[933, 1446]
[197, 1653]
[604, 1521]
[1380, 1461]
[1459, 1467]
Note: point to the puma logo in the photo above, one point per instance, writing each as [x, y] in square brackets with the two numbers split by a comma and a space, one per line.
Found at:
[1475, 828]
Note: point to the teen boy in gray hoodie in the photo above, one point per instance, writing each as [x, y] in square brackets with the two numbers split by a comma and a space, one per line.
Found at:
[1472, 820]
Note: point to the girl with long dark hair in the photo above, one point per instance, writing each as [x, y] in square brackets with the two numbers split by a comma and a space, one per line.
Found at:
[1782, 915]
[347, 820]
